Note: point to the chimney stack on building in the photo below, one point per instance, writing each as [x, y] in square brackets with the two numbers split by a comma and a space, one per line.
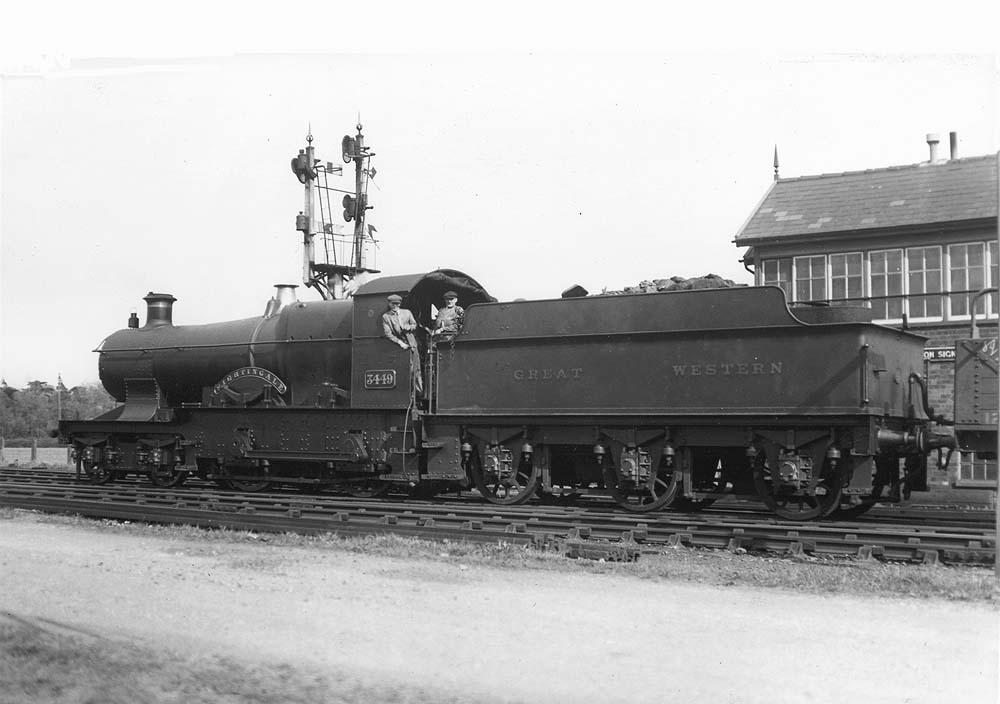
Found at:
[953, 138]
[932, 142]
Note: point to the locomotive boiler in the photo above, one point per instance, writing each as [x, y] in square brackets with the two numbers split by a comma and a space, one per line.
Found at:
[656, 399]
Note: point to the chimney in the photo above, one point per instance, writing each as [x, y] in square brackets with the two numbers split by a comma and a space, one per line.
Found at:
[932, 142]
[284, 295]
[159, 309]
[953, 138]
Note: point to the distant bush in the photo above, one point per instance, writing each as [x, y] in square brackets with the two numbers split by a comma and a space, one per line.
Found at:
[32, 412]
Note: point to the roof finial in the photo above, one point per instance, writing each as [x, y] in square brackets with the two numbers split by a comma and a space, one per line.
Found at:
[775, 162]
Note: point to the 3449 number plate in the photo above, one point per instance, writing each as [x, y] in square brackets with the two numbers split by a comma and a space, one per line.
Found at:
[380, 378]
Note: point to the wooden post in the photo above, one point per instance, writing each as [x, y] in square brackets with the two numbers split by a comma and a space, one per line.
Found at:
[34, 451]
[2, 442]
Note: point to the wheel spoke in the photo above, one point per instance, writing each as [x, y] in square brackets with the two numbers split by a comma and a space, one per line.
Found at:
[797, 507]
[519, 487]
[166, 479]
[647, 496]
[98, 472]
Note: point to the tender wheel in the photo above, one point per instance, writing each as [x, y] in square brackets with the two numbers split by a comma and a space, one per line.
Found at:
[166, 478]
[500, 483]
[98, 472]
[848, 512]
[792, 506]
[660, 491]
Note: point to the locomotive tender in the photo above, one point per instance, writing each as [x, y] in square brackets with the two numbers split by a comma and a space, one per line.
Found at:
[659, 399]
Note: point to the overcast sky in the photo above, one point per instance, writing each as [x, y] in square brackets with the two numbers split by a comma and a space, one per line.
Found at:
[530, 171]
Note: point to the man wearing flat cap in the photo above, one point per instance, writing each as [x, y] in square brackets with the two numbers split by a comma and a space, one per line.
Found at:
[398, 325]
[450, 318]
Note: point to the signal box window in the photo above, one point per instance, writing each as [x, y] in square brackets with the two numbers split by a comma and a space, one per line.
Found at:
[887, 284]
[967, 267]
[847, 277]
[991, 247]
[810, 278]
[924, 269]
[778, 272]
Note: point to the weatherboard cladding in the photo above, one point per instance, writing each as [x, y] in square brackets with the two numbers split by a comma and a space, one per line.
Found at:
[876, 199]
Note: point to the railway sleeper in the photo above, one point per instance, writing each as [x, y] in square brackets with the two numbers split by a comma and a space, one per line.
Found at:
[601, 551]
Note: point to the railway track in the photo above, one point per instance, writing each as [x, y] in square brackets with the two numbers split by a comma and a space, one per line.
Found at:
[592, 529]
[913, 513]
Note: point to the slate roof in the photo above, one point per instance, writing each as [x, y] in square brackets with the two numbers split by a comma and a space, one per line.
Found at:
[876, 199]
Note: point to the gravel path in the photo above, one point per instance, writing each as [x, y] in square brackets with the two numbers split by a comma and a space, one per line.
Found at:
[473, 633]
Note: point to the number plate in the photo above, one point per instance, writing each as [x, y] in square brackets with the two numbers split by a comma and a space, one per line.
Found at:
[380, 378]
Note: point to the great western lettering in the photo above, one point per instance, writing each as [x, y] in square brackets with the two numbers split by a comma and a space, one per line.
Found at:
[548, 374]
[728, 369]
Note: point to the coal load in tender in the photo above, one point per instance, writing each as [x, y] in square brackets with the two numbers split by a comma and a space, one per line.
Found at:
[676, 283]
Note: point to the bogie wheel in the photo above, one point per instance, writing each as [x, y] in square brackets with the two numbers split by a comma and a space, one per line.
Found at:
[98, 472]
[166, 478]
[643, 497]
[797, 507]
[517, 487]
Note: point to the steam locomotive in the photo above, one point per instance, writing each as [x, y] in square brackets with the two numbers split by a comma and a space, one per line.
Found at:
[659, 400]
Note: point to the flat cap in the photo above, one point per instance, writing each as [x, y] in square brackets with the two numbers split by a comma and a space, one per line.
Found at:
[395, 299]
[450, 294]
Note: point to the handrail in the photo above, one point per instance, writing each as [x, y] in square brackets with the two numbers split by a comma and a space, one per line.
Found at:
[928, 409]
[974, 332]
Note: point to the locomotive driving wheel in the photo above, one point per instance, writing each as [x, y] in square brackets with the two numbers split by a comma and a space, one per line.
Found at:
[500, 481]
[658, 491]
[368, 488]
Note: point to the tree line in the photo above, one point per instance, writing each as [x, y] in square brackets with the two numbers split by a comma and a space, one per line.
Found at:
[32, 412]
